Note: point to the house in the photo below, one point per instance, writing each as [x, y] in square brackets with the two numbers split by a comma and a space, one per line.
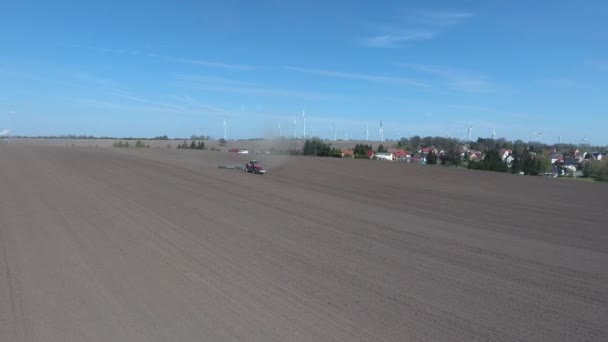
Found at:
[398, 152]
[475, 155]
[556, 156]
[574, 153]
[347, 153]
[463, 150]
[504, 154]
[384, 156]
[428, 150]
[597, 155]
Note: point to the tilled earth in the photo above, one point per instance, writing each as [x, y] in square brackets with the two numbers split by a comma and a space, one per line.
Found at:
[101, 244]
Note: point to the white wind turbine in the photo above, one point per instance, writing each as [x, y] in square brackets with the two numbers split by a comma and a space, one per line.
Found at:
[224, 129]
[493, 133]
[335, 137]
[304, 119]
[537, 135]
[381, 132]
[469, 131]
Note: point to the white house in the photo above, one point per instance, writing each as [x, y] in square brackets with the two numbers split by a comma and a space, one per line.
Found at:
[384, 156]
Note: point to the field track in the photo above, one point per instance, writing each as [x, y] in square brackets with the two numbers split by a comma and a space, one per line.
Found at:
[101, 244]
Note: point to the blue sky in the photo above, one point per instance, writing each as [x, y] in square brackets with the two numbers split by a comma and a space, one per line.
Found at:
[128, 68]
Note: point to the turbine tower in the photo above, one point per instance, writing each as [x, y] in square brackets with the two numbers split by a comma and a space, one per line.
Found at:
[279, 129]
[224, 129]
[381, 132]
[493, 133]
[538, 134]
[335, 137]
[295, 133]
[469, 130]
[367, 132]
[304, 119]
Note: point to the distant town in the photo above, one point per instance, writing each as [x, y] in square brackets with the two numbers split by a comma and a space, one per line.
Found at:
[499, 155]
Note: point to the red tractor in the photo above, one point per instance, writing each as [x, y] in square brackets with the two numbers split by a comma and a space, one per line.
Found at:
[254, 167]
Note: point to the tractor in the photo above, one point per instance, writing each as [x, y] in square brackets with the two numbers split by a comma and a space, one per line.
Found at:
[254, 167]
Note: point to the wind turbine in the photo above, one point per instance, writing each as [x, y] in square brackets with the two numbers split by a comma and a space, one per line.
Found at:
[304, 118]
[559, 139]
[381, 132]
[493, 133]
[584, 140]
[538, 134]
[224, 129]
[367, 132]
[295, 133]
[335, 137]
[469, 130]
[279, 129]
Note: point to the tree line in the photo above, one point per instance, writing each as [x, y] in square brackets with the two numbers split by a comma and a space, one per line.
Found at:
[200, 145]
[138, 144]
[316, 147]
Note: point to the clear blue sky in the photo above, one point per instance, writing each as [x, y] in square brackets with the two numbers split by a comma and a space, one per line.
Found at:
[128, 68]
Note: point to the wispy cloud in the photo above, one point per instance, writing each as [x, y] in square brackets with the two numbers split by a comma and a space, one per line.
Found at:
[171, 105]
[562, 83]
[92, 79]
[417, 26]
[356, 76]
[237, 87]
[601, 65]
[469, 107]
[440, 19]
[396, 37]
[462, 80]
[201, 62]
[215, 64]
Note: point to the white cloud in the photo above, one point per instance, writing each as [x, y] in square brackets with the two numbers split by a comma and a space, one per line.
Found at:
[237, 87]
[215, 64]
[201, 62]
[461, 80]
[395, 38]
[355, 76]
[439, 18]
[421, 25]
[562, 83]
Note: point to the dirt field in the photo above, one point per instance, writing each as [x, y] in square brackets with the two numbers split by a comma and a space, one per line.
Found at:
[101, 244]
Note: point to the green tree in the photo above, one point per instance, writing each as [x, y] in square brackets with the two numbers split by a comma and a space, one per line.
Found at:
[222, 142]
[139, 144]
[431, 158]
[360, 150]
[381, 149]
